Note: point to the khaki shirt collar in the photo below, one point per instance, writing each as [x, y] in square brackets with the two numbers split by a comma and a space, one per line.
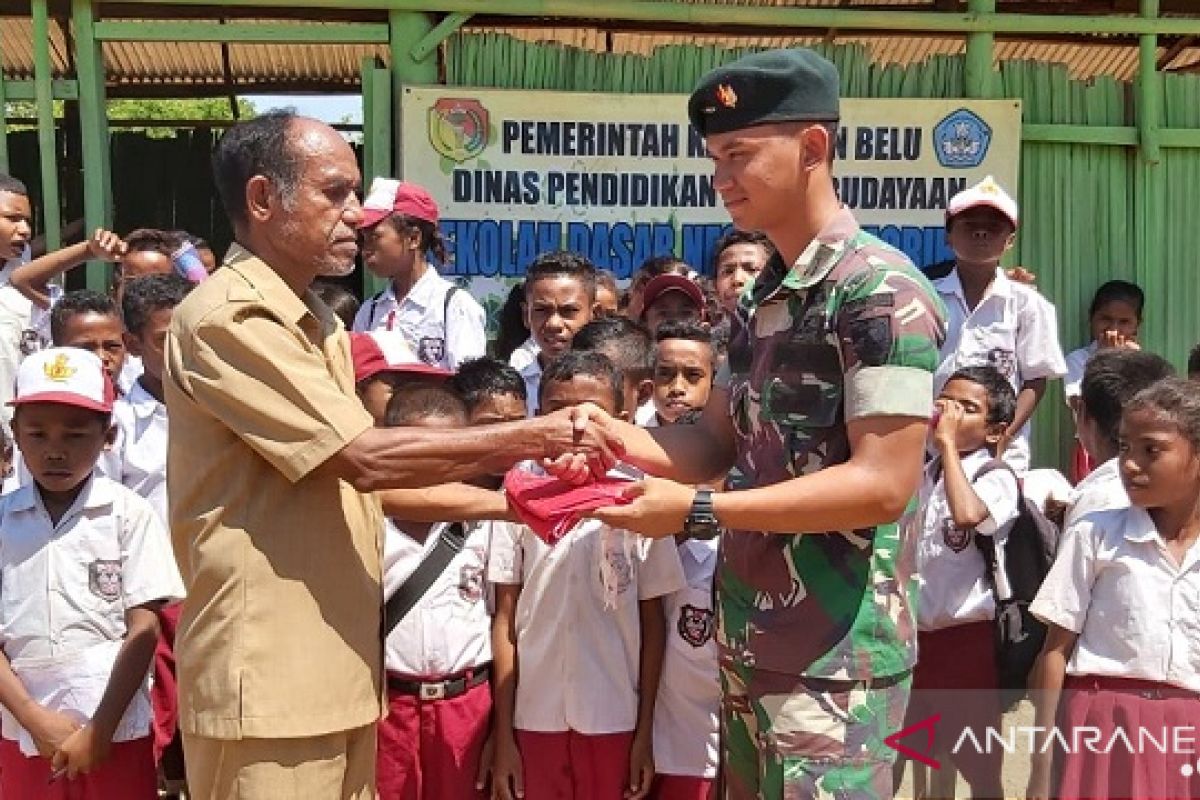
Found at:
[263, 283]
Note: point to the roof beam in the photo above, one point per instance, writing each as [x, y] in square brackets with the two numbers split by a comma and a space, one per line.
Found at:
[199, 31]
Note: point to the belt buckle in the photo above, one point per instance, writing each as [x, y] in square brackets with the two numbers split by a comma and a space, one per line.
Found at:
[433, 691]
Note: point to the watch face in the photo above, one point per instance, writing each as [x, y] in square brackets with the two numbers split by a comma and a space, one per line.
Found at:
[703, 529]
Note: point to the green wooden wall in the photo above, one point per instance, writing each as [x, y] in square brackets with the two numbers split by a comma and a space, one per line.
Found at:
[1087, 210]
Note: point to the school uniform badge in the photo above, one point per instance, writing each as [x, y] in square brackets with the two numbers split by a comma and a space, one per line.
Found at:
[431, 350]
[104, 579]
[695, 625]
[956, 538]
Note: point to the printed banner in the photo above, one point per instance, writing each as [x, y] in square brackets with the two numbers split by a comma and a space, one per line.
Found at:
[622, 177]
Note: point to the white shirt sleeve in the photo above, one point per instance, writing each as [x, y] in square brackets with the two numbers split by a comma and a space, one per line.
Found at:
[466, 329]
[1039, 355]
[362, 319]
[505, 563]
[661, 571]
[999, 493]
[1066, 593]
[1076, 363]
[149, 568]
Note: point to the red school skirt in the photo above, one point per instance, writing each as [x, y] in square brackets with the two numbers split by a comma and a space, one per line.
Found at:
[1154, 717]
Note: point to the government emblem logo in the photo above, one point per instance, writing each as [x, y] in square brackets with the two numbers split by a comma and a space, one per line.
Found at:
[961, 140]
[458, 128]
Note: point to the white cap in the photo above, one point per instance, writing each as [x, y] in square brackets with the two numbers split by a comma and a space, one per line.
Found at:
[67, 376]
[985, 193]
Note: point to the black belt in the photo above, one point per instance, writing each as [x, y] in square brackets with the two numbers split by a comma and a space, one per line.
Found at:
[453, 686]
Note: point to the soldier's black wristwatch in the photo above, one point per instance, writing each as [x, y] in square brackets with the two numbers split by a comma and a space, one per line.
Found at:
[701, 521]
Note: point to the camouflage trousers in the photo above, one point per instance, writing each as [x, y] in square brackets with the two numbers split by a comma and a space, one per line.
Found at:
[785, 737]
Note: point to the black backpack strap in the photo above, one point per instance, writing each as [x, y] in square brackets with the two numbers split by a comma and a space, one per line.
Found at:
[375, 298]
[446, 304]
[986, 544]
[449, 544]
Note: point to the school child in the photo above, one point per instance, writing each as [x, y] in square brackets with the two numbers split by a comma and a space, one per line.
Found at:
[651, 268]
[560, 298]
[738, 257]
[77, 645]
[992, 319]
[382, 360]
[91, 321]
[438, 653]
[492, 391]
[1113, 318]
[673, 298]
[1122, 655]
[340, 300]
[578, 637]
[629, 346]
[966, 493]
[513, 344]
[684, 366]
[1193, 365]
[608, 296]
[1110, 380]
[442, 324]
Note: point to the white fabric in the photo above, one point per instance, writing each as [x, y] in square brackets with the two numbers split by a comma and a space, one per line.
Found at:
[1044, 484]
[1013, 328]
[65, 589]
[131, 370]
[1076, 363]
[16, 317]
[1101, 490]
[950, 567]
[686, 715]
[450, 628]
[440, 336]
[985, 193]
[382, 195]
[1137, 613]
[531, 373]
[63, 371]
[141, 447]
[579, 661]
[523, 355]
[645, 415]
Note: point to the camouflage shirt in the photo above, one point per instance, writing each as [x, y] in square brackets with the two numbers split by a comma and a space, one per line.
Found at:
[852, 330]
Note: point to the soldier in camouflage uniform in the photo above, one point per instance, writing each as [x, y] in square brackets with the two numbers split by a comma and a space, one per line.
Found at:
[830, 386]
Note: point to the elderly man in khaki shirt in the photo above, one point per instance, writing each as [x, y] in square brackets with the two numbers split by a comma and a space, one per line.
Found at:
[271, 466]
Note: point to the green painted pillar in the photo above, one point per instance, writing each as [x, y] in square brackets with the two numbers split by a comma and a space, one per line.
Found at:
[1149, 89]
[3, 126]
[93, 123]
[978, 74]
[44, 101]
[408, 29]
[377, 140]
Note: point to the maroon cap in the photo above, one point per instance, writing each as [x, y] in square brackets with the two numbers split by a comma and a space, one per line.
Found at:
[661, 284]
[383, 351]
[388, 196]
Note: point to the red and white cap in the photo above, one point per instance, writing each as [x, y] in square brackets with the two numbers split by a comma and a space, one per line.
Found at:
[387, 351]
[388, 196]
[67, 376]
[985, 193]
[659, 285]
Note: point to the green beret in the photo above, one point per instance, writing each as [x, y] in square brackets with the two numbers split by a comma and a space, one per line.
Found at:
[773, 86]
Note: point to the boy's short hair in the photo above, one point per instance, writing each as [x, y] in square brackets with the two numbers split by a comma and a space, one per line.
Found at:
[1193, 366]
[341, 301]
[688, 330]
[589, 364]
[154, 240]
[1002, 398]
[80, 301]
[13, 185]
[607, 280]
[625, 342]
[562, 264]
[145, 295]
[1111, 379]
[413, 402]
[481, 378]
[734, 236]
[1122, 291]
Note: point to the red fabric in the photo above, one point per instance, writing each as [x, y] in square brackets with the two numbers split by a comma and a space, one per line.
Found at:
[1131, 705]
[682, 787]
[128, 774]
[164, 691]
[551, 507]
[1081, 463]
[956, 677]
[430, 750]
[574, 766]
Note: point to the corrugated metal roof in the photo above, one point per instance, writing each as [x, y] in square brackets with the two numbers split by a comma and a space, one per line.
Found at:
[200, 63]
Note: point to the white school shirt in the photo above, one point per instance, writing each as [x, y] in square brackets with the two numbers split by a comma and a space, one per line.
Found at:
[441, 335]
[1137, 613]
[131, 370]
[531, 373]
[950, 567]
[1076, 363]
[579, 661]
[141, 448]
[1013, 328]
[687, 735]
[16, 313]
[449, 630]
[1100, 490]
[64, 591]
[646, 415]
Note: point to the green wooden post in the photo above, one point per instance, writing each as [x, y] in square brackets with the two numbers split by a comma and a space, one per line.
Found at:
[409, 28]
[44, 101]
[377, 140]
[93, 121]
[3, 127]
[1149, 89]
[978, 76]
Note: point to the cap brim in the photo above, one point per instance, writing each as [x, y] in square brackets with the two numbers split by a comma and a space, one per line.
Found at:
[673, 283]
[373, 216]
[983, 203]
[62, 399]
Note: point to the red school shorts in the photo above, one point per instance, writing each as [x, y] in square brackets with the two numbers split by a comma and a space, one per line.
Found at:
[574, 766]
[128, 774]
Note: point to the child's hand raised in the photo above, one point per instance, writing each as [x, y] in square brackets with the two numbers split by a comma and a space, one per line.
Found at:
[945, 433]
[83, 751]
[106, 245]
[50, 730]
